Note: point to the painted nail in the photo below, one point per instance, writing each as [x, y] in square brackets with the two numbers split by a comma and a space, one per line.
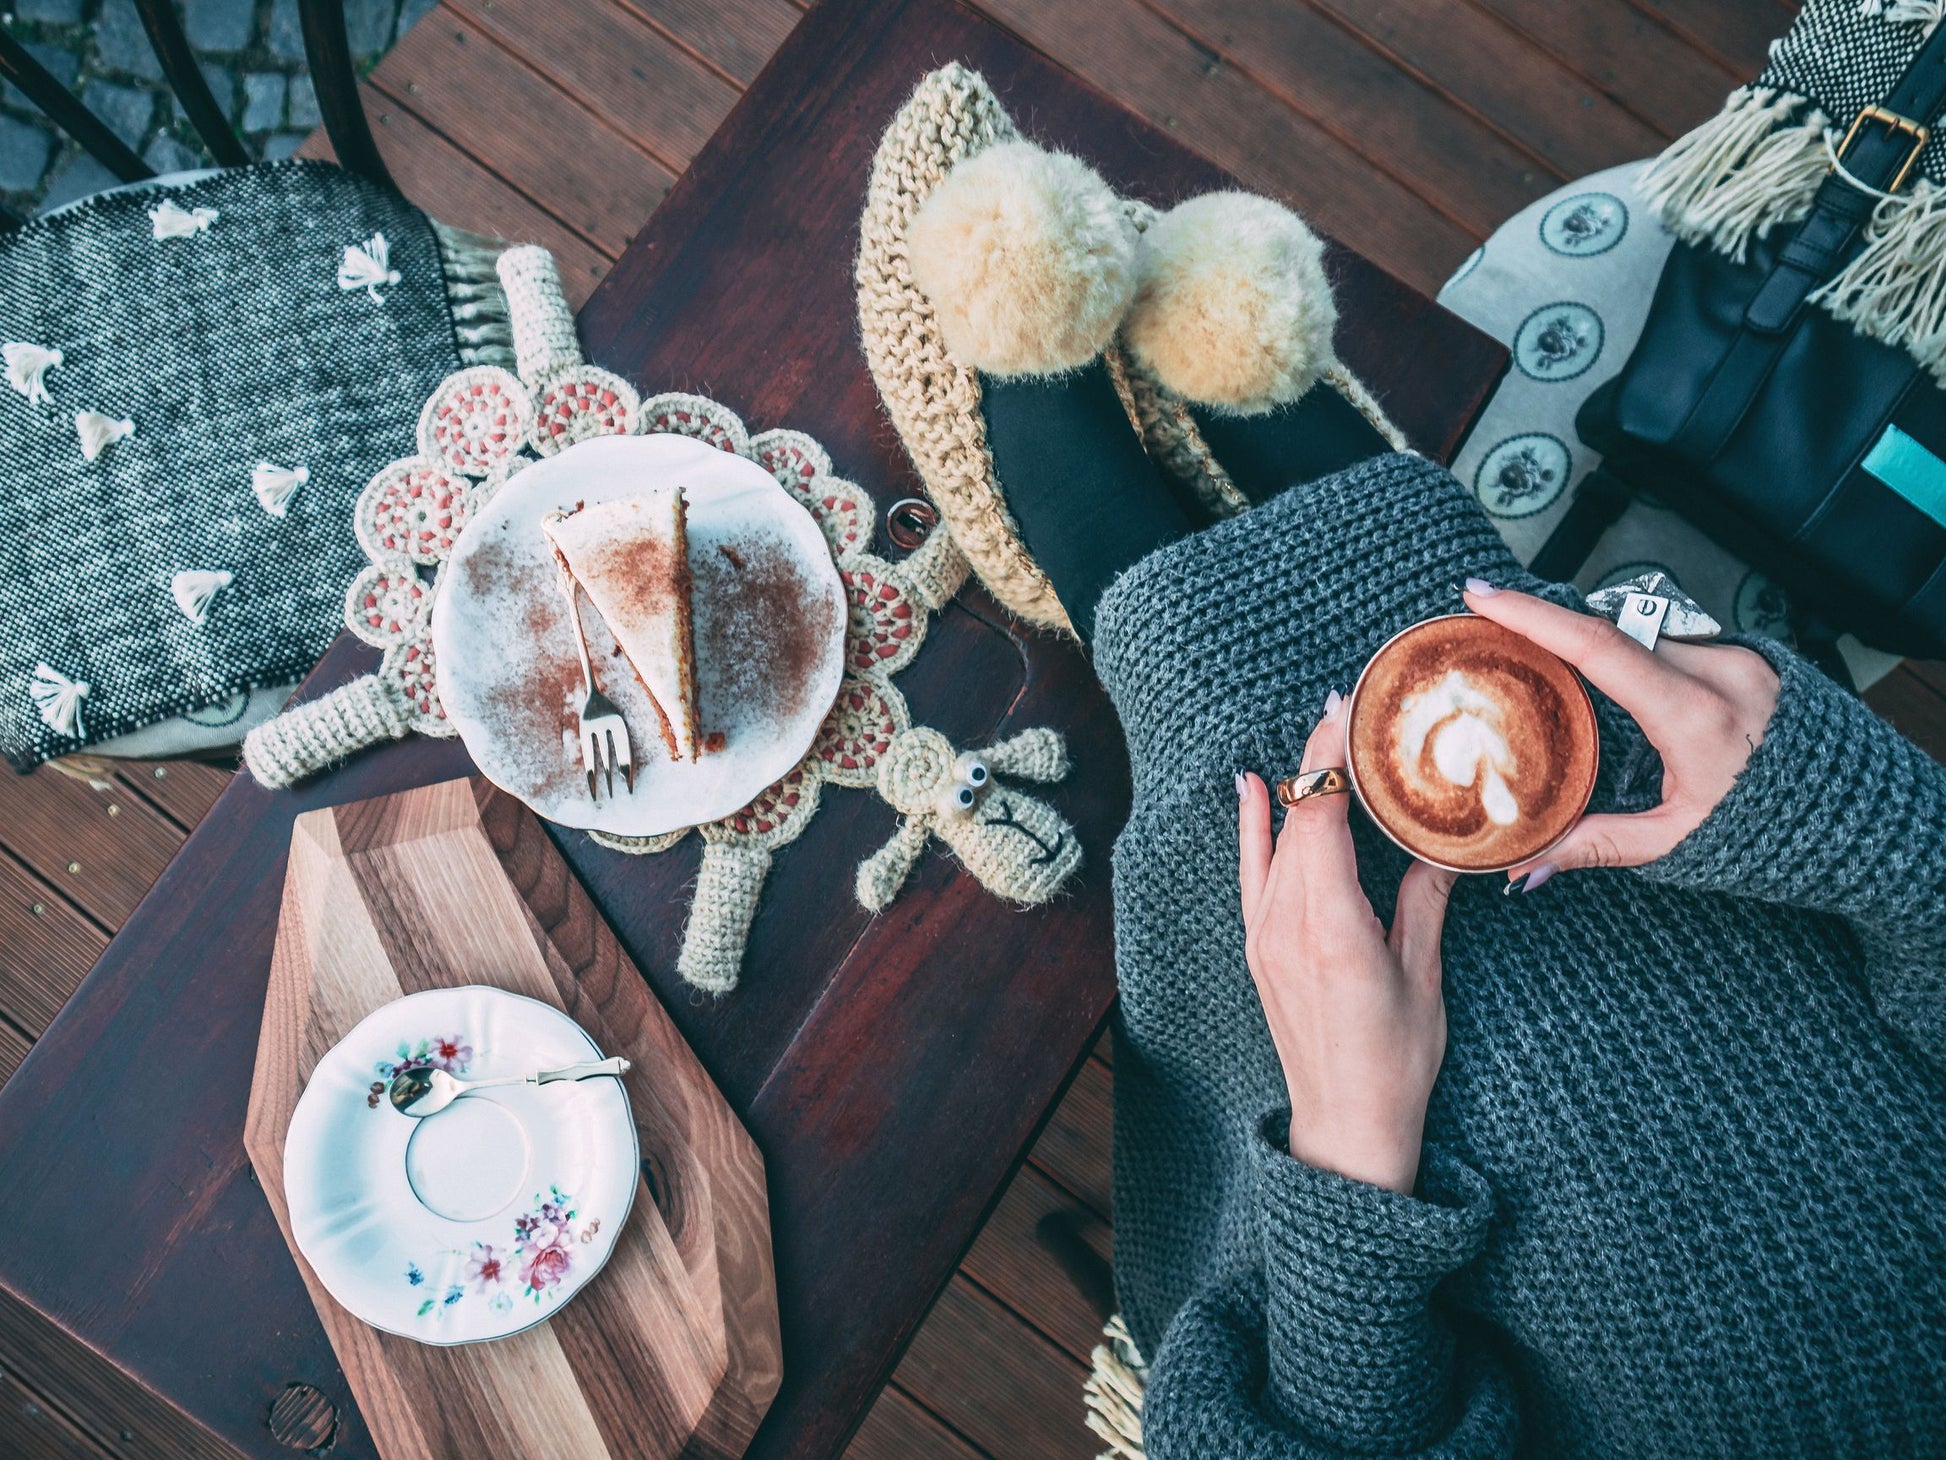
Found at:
[1529, 881]
[1331, 703]
[1480, 588]
[1243, 786]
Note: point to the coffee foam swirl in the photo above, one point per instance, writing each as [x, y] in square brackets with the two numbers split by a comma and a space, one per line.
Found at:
[1470, 745]
[1463, 729]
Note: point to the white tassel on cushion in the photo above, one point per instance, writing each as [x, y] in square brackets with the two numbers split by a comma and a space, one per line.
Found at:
[172, 220]
[27, 367]
[368, 266]
[58, 699]
[97, 431]
[276, 485]
[193, 588]
[1742, 172]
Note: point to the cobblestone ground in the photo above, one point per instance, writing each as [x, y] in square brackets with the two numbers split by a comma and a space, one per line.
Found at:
[252, 51]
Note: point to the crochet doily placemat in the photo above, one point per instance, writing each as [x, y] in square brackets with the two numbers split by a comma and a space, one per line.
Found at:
[484, 425]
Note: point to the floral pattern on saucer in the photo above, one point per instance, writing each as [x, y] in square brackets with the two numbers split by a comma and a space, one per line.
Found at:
[448, 1052]
[538, 1262]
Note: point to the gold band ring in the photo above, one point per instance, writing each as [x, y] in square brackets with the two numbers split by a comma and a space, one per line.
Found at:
[1333, 781]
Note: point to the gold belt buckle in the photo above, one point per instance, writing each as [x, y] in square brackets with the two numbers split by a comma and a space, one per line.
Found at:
[1892, 122]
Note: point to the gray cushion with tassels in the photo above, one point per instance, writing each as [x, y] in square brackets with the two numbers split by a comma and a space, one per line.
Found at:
[204, 377]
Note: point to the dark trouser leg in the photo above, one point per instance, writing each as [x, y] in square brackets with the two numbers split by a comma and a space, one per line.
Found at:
[1301, 442]
[1088, 501]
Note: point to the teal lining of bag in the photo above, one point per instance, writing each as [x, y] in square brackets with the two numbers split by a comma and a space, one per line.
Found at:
[1910, 470]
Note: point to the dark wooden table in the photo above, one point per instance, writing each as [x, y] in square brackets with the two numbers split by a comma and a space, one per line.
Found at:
[893, 1070]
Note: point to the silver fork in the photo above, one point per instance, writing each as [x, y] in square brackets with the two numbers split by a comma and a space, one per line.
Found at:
[602, 725]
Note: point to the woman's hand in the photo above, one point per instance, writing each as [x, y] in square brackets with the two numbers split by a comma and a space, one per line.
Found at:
[1356, 1015]
[1704, 707]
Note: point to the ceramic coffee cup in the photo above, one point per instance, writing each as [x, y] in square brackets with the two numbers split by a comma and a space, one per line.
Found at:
[1471, 747]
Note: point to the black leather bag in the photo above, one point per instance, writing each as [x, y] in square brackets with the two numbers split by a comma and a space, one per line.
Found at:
[1814, 452]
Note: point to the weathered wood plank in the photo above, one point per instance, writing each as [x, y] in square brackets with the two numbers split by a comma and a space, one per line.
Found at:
[1638, 62]
[1074, 1147]
[1737, 35]
[898, 1428]
[13, 1049]
[466, 85]
[617, 66]
[132, 1422]
[456, 189]
[987, 1374]
[184, 789]
[1399, 124]
[1133, 54]
[102, 848]
[1492, 69]
[735, 39]
[46, 948]
[1047, 1256]
[30, 1430]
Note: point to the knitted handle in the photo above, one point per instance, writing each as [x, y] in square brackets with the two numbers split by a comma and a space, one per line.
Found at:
[720, 914]
[544, 337]
[305, 739]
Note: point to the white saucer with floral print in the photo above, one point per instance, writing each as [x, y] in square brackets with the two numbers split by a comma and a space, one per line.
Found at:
[483, 1219]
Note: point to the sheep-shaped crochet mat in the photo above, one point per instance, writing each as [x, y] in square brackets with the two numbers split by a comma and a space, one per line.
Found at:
[485, 424]
[1019, 847]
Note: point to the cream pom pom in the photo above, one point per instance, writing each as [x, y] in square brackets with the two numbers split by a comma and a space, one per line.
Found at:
[1028, 260]
[1232, 308]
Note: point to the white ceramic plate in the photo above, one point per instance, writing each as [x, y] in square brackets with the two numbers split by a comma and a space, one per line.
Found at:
[483, 1219]
[770, 638]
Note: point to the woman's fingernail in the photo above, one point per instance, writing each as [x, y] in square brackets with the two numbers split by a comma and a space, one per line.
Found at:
[1528, 881]
[1480, 588]
[1243, 786]
[1331, 703]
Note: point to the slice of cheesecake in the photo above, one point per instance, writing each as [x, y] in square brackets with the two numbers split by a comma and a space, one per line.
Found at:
[631, 557]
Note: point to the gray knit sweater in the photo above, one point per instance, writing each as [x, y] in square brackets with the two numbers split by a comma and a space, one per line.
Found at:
[1683, 1190]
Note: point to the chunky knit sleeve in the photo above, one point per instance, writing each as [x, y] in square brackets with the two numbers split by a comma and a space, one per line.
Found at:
[1838, 813]
[1336, 1344]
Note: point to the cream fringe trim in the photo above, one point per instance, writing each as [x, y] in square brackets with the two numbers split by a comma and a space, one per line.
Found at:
[1113, 1393]
[1756, 164]
[479, 305]
[1741, 173]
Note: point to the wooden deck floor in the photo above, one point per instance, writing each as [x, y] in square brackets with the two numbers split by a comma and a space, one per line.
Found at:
[1408, 128]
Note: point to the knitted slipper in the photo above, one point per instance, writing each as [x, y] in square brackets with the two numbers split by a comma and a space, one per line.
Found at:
[1024, 266]
[1230, 329]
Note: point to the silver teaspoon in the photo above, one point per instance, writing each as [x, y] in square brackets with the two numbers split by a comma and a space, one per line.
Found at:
[422, 1092]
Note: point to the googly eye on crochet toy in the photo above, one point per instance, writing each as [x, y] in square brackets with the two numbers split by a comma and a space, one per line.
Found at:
[958, 800]
[974, 772]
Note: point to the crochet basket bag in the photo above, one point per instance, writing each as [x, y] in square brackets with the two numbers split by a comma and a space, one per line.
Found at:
[203, 374]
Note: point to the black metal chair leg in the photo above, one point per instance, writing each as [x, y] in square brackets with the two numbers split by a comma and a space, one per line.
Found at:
[69, 114]
[205, 113]
[327, 49]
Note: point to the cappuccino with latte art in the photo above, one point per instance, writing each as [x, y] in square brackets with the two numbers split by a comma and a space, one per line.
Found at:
[1470, 746]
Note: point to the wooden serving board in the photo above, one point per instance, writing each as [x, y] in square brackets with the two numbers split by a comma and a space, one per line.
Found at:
[673, 1349]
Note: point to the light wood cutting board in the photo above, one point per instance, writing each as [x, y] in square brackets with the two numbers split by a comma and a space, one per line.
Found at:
[673, 1349]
